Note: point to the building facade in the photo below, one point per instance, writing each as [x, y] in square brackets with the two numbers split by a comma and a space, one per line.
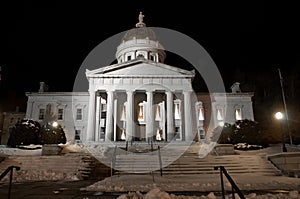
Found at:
[140, 98]
[9, 121]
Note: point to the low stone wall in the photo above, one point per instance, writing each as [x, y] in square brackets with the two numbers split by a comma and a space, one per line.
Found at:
[287, 162]
[224, 149]
[51, 149]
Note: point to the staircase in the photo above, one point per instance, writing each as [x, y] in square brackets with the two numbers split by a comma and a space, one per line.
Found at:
[189, 163]
[71, 166]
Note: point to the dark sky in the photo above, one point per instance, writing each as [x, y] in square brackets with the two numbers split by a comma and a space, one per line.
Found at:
[48, 40]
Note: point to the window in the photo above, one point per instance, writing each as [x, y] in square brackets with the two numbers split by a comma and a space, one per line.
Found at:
[238, 114]
[128, 57]
[123, 135]
[201, 114]
[79, 114]
[42, 114]
[141, 112]
[77, 134]
[123, 113]
[202, 134]
[177, 132]
[220, 116]
[152, 57]
[157, 113]
[158, 136]
[177, 114]
[60, 114]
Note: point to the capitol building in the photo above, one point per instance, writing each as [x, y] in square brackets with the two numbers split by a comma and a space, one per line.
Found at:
[140, 98]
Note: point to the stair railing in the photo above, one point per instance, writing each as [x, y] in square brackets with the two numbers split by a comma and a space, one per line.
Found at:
[9, 169]
[126, 146]
[160, 161]
[233, 184]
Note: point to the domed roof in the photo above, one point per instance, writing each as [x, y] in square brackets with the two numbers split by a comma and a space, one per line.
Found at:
[140, 33]
[140, 41]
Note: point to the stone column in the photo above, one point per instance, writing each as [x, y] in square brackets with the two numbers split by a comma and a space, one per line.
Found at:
[170, 116]
[129, 116]
[149, 116]
[188, 123]
[91, 118]
[98, 103]
[109, 116]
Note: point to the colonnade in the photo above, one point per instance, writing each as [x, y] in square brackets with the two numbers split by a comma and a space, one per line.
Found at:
[187, 121]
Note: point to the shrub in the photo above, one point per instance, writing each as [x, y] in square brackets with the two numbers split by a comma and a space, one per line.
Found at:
[31, 132]
[24, 133]
[243, 131]
[221, 134]
[52, 135]
[246, 131]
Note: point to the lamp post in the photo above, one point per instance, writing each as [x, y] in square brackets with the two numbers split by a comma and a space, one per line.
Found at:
[279, 117]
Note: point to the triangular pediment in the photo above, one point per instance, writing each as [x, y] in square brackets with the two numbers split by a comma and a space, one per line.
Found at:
[139, 68]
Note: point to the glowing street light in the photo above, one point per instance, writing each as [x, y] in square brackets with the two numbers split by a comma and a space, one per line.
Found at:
[279, 116]
[54, 124]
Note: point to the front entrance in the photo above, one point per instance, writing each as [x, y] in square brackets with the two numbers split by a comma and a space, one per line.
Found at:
[144, 119]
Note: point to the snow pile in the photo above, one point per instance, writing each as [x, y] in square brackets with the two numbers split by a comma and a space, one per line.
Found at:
[71, 148]
[156, 193]
[31, 150]
[97, 151]
[206, 148]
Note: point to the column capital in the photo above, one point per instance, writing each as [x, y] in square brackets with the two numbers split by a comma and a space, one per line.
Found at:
[187, 92]
[149, 90]
[110, 90]
[170, 91]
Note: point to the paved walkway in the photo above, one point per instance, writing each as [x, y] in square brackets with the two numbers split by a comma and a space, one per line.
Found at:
[193, 183]
[111, 188]
[51, 190]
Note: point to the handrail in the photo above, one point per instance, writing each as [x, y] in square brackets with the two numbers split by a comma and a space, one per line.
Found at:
[9, 169]
[151, 145]
[126, 146]
[233, 185]
[160, 161]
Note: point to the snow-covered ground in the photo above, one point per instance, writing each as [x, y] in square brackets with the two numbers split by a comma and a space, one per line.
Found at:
[292, 185]
[31, 150]
[156, 193]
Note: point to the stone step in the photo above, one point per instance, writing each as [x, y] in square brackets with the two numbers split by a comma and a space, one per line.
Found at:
[190, 163]
[54, 167]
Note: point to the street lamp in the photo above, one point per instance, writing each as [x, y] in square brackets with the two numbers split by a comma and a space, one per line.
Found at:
[54, 124]
[279, 117]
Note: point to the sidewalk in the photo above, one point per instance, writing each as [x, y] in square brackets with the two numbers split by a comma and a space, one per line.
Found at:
[193, 183]
[48, 190]
[111, 188]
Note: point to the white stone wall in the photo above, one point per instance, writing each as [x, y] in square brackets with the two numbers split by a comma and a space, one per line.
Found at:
[67, 101]
[229, 102]
[72, 101]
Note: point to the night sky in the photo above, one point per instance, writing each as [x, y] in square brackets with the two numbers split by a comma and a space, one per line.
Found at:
[48, 40]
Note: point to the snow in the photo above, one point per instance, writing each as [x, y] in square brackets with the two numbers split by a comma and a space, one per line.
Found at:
[155, 186]
[31, 150]
[156, 193]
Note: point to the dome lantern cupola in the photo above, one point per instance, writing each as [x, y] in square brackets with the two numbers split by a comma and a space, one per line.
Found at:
[140, 43]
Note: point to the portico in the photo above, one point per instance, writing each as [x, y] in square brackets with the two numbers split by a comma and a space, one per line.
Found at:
[141, 107]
